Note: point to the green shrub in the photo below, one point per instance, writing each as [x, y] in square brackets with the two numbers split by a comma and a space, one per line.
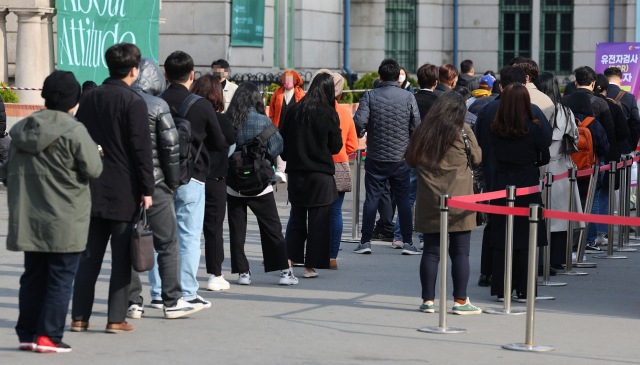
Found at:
[562, 88]
[364, 83]
[412, 81]
[347, 98]
[8, 96]
[267, 97]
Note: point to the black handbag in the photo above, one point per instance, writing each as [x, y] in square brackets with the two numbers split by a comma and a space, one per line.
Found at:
[568, 144]
[477, 177]
[142, 254]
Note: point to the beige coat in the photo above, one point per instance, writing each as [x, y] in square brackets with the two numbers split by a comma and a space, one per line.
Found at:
[542, 101]
[228, 91]
[453, 177]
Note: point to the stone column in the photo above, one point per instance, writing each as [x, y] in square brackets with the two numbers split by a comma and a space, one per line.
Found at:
[28, 53]
[4, 56]
[535, 31]
[47, 51]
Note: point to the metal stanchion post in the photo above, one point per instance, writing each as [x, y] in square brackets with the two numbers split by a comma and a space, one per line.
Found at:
[535, 215]
[637, 234]
[627, 199]
[355, 219]
[569, 260]
[546, 251]
[612, 208]
[444, 259]
[582, 241]
[622, 208]
[508, 259]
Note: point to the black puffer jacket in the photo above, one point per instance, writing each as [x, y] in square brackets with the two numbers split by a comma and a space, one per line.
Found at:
[389, 115]
[164, 136]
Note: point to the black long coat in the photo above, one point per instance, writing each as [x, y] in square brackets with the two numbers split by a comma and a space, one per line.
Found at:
[517, 163]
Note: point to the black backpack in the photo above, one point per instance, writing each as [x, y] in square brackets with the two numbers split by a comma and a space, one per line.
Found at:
[187, 160]
[249, 170]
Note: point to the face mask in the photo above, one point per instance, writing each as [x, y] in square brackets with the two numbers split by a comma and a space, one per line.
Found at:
[288, 85]
[402, 78]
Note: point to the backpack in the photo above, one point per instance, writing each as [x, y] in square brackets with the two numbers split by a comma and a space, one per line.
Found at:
[585, 157]
[249, 170]
[187, 160]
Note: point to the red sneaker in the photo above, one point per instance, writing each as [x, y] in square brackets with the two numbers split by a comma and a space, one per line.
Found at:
[45, 345]
[27, 346]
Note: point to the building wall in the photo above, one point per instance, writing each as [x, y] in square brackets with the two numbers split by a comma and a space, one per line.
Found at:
[366, 44]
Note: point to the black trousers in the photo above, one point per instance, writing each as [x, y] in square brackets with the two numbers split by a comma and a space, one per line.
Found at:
[274, 250]
[459, 247]
[518, 276]
[100, 230]
[214, 211]
[317, 236]
[162, 220]
[486, 256]
[386, 210]
[45, 291]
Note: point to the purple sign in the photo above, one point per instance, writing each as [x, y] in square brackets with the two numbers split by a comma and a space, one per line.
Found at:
[623, 56]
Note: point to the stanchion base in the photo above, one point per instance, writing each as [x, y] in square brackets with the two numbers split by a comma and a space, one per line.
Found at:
[609, 257]
[584, 265]
[529, 348]
[624, 249]
[572, 273]
[551, 283]
[537, 298]
[350, 240]
[442, 330]
[632, 244]
[503, 311]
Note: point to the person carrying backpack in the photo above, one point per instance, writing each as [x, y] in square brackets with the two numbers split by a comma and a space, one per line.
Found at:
[258, 144]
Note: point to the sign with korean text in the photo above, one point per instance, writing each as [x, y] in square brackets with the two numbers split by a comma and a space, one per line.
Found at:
[623, 56]
[247, 23]
[87, 28]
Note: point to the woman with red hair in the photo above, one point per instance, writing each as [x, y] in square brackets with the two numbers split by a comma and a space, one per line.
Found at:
[282, 100]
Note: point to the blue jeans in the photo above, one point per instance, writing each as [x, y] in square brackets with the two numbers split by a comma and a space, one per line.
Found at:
[336, 224]
[413, 190]
[600, 206]
[189, 201]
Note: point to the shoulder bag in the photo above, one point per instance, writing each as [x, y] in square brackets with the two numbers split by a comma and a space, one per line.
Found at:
[142, 255]
[477, 177]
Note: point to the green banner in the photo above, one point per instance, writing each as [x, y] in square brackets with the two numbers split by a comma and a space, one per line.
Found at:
[247, 23]
[87, 28]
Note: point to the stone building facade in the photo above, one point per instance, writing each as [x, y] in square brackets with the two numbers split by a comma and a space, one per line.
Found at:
[309, 34]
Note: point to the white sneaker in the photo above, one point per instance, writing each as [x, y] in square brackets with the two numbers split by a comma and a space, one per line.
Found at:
[287, 277]
[182, 308]
[601, 240]
[217, 283]
[135, 311]
[397, 244]
[281, 176]
[245, 278]
[573, 257]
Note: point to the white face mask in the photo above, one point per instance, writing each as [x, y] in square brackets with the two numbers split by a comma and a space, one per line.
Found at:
[402, 78]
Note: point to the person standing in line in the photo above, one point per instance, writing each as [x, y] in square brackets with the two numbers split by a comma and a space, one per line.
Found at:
[483, 91]
[404, 80]
[117, 119]
[447, 79]
[282, 100]
[161, 216]
[189, 199]
[5, 141]
[467, 78]
[531, 69]
[210, 88]
[521, 147]
[221, 69]
[311, 134]
[437, 150]
[388, 115]
[246, 114]
[51, 161]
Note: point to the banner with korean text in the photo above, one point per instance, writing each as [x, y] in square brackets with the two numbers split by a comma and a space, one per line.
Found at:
[87, 28]
[623, 56]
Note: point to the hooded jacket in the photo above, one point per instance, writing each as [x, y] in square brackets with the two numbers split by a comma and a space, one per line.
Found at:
[51, 160]
[277, 99]
[468, 81]
[165, 143]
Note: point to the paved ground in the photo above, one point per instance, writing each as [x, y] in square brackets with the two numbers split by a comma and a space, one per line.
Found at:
[365, 312]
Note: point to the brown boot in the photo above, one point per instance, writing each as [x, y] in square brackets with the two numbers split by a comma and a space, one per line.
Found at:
[333, 264]
[119, 327]
[79, 326]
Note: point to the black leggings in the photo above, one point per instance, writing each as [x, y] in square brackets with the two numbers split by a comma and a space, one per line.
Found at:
[459, 246]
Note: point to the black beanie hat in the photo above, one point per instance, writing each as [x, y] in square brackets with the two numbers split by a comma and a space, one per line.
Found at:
[61, 91]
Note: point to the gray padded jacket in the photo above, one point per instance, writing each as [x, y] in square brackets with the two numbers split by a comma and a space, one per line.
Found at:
[164, 135]
[388, 114]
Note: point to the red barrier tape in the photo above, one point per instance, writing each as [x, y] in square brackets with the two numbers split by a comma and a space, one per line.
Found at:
[564, 175]
[486, 208]
[353, 155]
[500, 194]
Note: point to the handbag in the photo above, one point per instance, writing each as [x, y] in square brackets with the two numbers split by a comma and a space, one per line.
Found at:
[142, 254]
[342, 177]
[477, 176]
[568, 143]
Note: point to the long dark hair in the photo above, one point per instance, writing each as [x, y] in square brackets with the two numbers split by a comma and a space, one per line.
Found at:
[210, 88]
[602, 86]
[406, 78]
[514, 110]
[580, 103]
[548, 84]
[438, 130]
[247, 96]
[319, 99]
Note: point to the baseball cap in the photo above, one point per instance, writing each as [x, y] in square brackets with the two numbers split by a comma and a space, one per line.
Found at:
[487, 79]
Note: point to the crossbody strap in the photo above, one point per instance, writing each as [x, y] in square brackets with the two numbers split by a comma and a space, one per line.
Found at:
[267, 133]
[620, 95]
[467, 149]
[187, 104]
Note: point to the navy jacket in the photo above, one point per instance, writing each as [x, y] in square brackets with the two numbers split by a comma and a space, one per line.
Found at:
[483, 134]
[630, 108]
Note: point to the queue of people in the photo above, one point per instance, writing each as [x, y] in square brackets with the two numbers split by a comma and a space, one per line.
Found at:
[188, 152]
